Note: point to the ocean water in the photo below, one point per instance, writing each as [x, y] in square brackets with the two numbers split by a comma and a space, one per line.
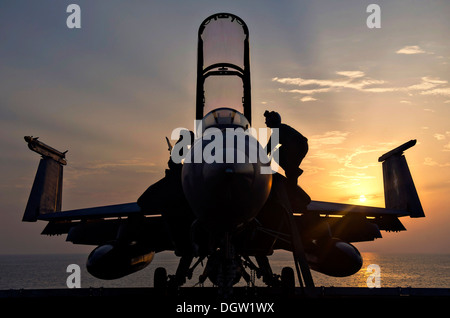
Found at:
[50, 271]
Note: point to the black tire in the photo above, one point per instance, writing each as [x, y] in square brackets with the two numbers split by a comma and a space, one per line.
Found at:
[160, 278]
[288, 280]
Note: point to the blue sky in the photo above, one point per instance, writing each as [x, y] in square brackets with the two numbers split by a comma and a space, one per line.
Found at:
[111, 91]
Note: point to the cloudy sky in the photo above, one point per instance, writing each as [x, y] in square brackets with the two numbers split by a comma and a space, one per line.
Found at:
[111, 91]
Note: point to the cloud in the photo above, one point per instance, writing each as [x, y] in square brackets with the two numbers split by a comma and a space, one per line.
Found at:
[357, 80]
[320, 154]
[342, 173]
[353, 159]
[352, 74]
[439, 136]
[411, 49]
[351, 162]
[437, 91]
[447, 147]
[305, 91]
[129, 163]
[334, 137]
[430, 162]
[308, 99]
[426, 83]
[137, 165]
[352, 167]
[329, 84]
[311, 169]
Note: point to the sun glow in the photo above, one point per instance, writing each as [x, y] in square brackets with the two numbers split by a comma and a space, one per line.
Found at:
[362, 198]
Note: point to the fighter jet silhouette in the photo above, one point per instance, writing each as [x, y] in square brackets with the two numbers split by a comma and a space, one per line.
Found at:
[222, 208]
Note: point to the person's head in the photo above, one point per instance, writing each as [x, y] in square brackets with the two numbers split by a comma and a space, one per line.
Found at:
[273, 119]
[184, 133]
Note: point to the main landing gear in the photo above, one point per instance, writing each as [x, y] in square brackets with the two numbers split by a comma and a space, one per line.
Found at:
[226, 273]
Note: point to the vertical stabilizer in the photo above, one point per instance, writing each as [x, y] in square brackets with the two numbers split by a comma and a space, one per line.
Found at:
[46, 193]
[399, 189]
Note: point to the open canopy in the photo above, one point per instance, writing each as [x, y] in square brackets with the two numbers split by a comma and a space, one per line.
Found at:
[223, 69]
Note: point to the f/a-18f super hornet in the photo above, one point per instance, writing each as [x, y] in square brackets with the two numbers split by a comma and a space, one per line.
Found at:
[222, 208]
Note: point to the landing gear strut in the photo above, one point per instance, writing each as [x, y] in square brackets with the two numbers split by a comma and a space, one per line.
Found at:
[160, 279]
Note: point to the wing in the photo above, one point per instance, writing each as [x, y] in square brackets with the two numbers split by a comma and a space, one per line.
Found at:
[343, 209]
[99, 225]
[350, 223]
[118, 210]
[355, 223]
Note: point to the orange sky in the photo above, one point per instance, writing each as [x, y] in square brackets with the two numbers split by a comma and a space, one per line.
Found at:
[111, 91]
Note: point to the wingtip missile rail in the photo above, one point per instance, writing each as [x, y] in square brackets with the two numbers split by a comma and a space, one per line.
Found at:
[45, 150]
[398, 151]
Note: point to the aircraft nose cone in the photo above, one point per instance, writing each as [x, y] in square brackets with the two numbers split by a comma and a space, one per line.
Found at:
[228, 181]
[221, 172]
[225, 194]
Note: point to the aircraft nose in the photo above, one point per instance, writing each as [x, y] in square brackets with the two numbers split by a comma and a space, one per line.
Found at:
[219, 173]
[228, 181]
[225, 194]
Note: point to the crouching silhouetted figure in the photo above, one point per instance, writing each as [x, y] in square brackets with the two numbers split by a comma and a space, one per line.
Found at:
[294, 147]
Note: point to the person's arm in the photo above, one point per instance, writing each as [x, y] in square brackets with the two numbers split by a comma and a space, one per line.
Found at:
[268, 148]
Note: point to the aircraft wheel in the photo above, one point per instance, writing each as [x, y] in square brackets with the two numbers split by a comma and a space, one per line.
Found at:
[160, 278]
[287, 280]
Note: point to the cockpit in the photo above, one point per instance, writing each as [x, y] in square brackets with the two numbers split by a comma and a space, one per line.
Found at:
[223, 70]
[224, 118]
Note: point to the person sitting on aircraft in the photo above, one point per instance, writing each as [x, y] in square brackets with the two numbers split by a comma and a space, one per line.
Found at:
[294, 146]
[176, 167]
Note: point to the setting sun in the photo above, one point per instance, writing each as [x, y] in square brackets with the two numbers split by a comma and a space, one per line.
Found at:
[362, 198]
